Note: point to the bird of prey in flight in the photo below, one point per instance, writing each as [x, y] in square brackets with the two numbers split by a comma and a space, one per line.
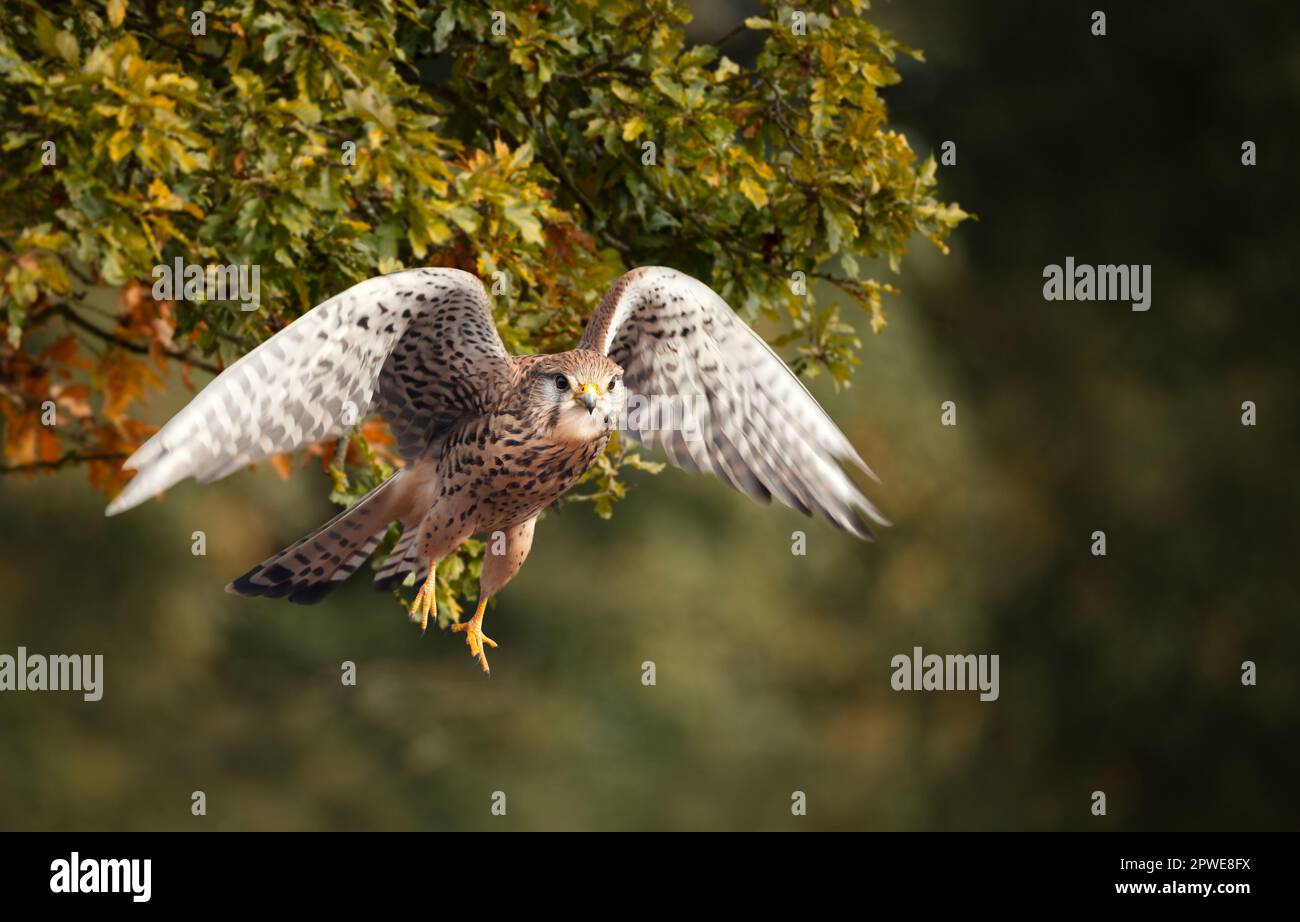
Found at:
[488, 439]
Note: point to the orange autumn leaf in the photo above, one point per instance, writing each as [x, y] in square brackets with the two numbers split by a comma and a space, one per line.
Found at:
[63, 349]
[323, 451]
[107, 476]
[132, 298]
[140, 317]
[63, 356]
[20, 435]
[131, 434]
[47, 445]
[122, 378]
[379, 439]
[283, 464]
[27, 441]
[74, 398]
[158, 352]
[376, 433]
[111, 445]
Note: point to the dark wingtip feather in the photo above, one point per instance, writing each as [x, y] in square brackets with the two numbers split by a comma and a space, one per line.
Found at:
[311, 593]
[388, 582]
[244, 585]
[277, 582]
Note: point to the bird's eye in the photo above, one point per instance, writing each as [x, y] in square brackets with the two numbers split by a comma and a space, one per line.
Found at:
[613, 383]
[561, 383]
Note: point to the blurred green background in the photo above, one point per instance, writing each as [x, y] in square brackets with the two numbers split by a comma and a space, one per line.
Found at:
[1119, 674]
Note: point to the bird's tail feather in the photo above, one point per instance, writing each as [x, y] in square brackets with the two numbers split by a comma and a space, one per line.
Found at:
[308, 569]
[401, 562]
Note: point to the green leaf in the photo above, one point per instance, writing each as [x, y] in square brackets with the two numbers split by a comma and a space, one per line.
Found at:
[523, 218]
[66, 45]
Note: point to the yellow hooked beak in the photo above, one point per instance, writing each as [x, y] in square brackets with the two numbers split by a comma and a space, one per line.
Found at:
[588, 396]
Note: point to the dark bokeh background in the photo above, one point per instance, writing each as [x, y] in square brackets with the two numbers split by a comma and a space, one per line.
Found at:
[1119, 674]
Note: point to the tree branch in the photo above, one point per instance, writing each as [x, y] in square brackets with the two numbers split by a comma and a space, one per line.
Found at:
[72, 457]
[739, 28]
[76, 319]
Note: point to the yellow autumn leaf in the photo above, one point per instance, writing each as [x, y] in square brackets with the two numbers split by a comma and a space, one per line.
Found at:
[163, 197]
[633, 128]
[754, 192]
[116, 12]
[119, 145]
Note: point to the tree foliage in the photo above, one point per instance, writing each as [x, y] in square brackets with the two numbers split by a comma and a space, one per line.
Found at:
[547, 147]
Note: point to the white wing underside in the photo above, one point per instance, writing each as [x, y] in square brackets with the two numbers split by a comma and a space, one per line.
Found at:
[418, 347]
[760, 430]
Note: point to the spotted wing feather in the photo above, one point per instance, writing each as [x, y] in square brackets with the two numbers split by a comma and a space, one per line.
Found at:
[745, 417]
[418, 348]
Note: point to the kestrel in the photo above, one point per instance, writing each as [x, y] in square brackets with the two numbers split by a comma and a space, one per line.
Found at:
[488, 439]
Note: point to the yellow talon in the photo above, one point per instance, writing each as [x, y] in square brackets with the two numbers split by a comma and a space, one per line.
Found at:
[426, 600]
[475, 637]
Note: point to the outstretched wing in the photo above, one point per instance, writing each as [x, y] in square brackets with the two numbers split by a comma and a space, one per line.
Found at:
[727, 404]
[417, 347]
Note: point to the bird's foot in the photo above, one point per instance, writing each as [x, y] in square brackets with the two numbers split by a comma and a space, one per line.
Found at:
[426, 601]
[475, 638]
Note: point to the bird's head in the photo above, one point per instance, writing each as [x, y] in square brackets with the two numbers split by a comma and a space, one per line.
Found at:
[581, 394]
